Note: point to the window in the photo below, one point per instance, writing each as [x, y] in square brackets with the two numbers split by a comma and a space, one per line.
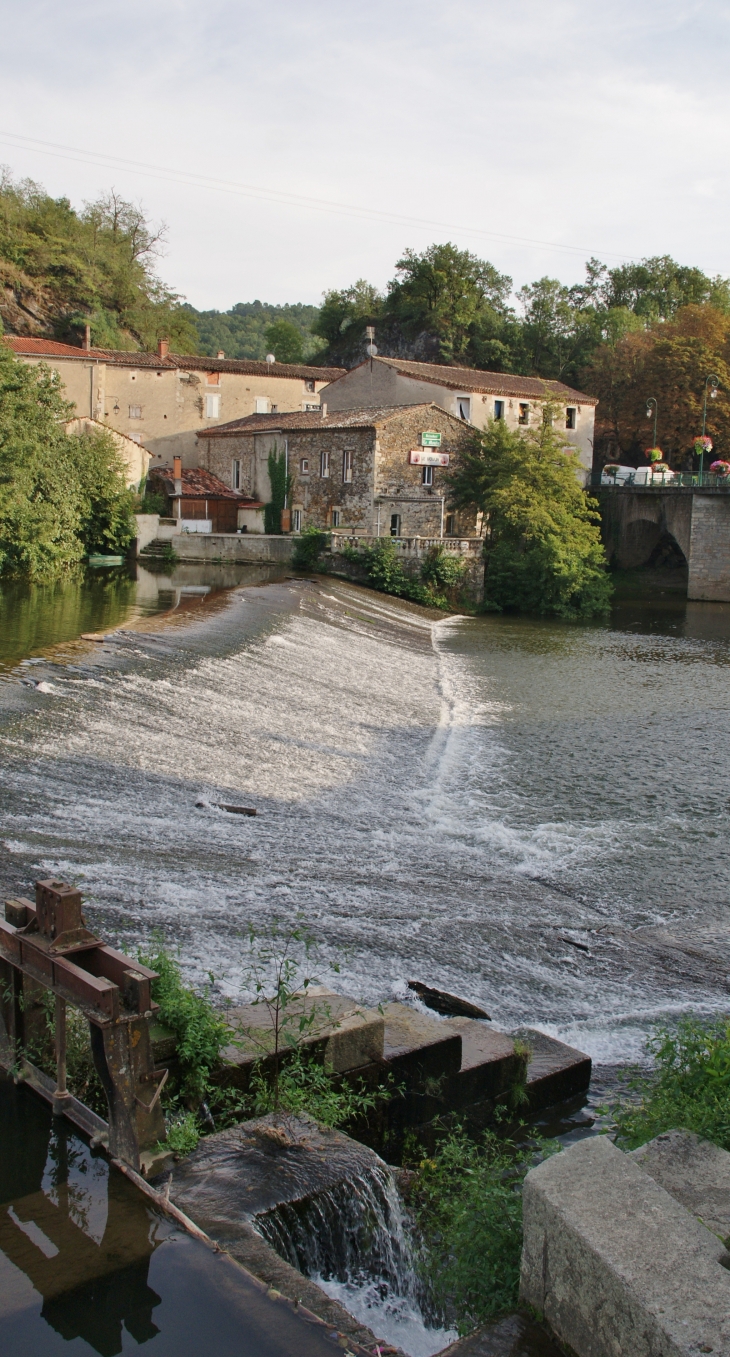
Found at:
[571, 417]
[395, 525]
[307, 405]
[262, 405]
[499, 409]
[524, 415]
[213, 378]
[135, 412]
[335, 518]
[309, 384]
[235, 474]
[135, 437]
[463, 407]
[303, 466]
[450, 525]
[212, 407]
[427, 475]
[347, 466]
[324, 464]
[296, 520]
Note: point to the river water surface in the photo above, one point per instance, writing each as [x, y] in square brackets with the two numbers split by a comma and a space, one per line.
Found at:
[531, 814]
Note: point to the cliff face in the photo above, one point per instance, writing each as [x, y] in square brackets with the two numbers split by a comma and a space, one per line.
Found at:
[27, 307]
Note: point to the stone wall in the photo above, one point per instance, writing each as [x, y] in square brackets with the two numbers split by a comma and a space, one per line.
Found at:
[709, 555]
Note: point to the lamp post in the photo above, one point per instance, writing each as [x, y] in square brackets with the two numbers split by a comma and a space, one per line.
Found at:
[715, 382]
[652, 401]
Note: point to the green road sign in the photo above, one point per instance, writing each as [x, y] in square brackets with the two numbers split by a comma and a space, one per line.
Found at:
[430, 439]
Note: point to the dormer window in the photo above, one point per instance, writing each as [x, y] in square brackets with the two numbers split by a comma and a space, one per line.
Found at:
[309, 384]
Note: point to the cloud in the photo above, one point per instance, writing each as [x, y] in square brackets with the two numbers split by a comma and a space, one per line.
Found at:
[568, 123]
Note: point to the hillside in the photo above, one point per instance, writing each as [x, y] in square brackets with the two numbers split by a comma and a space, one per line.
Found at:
[241, 332]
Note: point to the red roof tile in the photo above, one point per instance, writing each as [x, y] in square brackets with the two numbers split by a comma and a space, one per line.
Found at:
[197, 483]
[495, 383]
[186, 362]
[313, 419]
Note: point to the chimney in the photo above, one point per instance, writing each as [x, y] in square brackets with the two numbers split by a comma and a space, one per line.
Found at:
[177, 474]
[87, 337]
[220, 354]
[163, 348]
[323, 408]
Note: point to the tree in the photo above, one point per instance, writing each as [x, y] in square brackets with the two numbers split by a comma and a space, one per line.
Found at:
[543, 551]
[670, 361]
[447, 293]
[61, 496]
[285, 341]
[96, 267]
[342, 320]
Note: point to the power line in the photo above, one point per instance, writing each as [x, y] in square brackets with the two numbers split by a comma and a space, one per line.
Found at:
[279, 196]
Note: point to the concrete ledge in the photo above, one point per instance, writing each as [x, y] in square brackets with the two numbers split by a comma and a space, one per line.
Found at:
[694, 1172]
[616, 1266]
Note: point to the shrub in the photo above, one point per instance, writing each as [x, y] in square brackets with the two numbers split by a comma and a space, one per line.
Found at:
[309, 548]
[688, 1088]
[281, 485]
[467, 1203]
[201, 1031]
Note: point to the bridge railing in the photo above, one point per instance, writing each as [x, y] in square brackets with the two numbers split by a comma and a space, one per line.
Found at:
[675, 480]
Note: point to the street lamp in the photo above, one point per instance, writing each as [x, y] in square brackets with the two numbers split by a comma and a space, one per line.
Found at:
[652, 401]
[714, 382]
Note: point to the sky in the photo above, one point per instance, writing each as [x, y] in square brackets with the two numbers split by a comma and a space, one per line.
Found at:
[292, 148]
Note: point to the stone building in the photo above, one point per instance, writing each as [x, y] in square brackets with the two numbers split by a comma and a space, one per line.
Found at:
[374, 471]
[161, 400]
[470, 395]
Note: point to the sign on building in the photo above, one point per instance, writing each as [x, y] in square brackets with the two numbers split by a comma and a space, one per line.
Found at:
[430, 439]
[423, 457]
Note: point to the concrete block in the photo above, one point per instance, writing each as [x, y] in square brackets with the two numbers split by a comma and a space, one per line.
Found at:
[694, 1172]
[347, 1034]
[555, 1071]
[417, 1047]
[489, 1065]
[618, 1267]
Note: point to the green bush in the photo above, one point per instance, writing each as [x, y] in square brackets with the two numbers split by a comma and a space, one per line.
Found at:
[201, 1030]
[443, 571]
[385, 571]
[305, 1086]
[688, 1088]
[153, 503]
[309, 548]
[467, 1203]
[281, 485]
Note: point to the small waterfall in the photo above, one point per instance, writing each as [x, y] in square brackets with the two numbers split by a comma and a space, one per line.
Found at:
[354, 1240]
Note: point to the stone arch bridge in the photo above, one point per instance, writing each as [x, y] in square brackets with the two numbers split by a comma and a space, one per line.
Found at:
[663, 525]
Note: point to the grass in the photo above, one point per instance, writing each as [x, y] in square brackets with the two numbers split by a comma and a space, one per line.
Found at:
[467, 1203]
[688, 1087]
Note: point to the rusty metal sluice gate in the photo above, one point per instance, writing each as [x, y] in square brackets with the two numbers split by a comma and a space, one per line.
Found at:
[47, 946]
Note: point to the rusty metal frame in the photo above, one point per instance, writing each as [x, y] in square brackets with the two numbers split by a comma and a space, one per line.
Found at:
[47, 946]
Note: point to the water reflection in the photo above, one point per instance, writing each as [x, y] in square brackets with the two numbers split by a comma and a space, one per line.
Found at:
[87, 1265]
[72, 1233]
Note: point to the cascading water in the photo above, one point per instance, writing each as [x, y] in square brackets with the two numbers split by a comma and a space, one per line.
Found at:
[355, 1241]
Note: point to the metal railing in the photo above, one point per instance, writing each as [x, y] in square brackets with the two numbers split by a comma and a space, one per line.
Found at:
[677, 480]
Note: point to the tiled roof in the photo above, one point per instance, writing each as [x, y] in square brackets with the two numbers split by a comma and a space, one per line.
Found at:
[197, 483]
[312, 419]
[186, 362]
[495, 383]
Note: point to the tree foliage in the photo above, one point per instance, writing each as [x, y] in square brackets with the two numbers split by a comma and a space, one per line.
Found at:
[543, 550]
[285, 341]
[93, 267]
[243, 331]
[61, 496]
[670, 361]
[688, 1087]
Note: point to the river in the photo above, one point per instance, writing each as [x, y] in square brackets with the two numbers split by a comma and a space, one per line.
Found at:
[529, 813]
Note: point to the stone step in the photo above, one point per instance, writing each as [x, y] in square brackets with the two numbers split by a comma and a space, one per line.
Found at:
[419, 1050]
[555, 1072]
[346, 1034]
